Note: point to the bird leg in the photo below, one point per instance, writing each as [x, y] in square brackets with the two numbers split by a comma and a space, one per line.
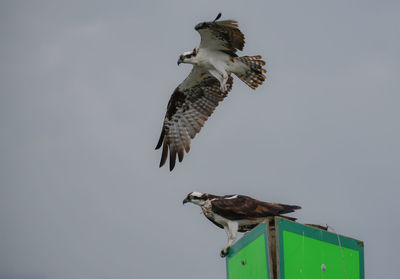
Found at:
[222, 77]
[231, 230]
[224, 87]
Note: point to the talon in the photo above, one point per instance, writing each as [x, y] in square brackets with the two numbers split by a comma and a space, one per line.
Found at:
[224, 252]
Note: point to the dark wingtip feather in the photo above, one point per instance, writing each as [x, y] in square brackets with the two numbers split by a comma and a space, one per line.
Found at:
[180, 154]
[218, 17]
[164, 154]
[187, 148]
[160, 141]
[172, 159]
[291, 208]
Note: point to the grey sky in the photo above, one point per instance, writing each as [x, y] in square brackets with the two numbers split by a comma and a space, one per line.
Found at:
[83, 92]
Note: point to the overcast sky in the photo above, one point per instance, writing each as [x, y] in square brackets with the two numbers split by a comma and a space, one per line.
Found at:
[83, 92]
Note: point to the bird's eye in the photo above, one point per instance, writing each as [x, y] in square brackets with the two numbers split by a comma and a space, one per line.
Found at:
[190, 197]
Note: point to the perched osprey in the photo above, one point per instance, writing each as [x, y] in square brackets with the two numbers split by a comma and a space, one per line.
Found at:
[236, 212]
[209, 82]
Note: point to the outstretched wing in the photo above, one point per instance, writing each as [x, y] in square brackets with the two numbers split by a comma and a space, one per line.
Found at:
[192, 102]
[243, 207]
[221, 35]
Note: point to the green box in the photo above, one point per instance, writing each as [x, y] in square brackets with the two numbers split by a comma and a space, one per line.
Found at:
[249, 257]
[284, 249]
[308, 252]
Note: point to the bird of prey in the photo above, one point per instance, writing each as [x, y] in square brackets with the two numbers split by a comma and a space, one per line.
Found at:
[236, 213]
[209, 82]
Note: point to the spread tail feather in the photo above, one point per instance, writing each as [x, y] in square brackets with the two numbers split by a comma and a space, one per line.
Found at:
[250, 70]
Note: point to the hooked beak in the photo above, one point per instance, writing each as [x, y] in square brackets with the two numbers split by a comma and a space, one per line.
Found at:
[186, 200]
[179, 61]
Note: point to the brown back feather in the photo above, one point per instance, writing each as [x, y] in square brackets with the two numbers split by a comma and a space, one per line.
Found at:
[244, 207]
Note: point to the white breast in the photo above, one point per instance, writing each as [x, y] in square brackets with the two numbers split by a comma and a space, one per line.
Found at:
[221, 220]
[211, 59]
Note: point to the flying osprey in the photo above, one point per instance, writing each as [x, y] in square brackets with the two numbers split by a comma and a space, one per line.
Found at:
[209, 82]
[236, 212]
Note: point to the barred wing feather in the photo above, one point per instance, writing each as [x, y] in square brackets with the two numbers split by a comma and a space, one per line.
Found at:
[190, 105]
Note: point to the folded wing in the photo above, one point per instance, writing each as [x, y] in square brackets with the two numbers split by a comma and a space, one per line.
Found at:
[244, 207]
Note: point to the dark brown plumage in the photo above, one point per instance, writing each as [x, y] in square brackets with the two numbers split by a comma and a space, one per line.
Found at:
[244, 207]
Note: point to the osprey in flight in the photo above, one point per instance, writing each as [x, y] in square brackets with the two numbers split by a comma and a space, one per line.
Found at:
[236, 212]
[209, 82]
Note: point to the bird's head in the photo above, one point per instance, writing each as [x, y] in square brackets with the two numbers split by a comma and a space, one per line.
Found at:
[196, 198]
[188, 57]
